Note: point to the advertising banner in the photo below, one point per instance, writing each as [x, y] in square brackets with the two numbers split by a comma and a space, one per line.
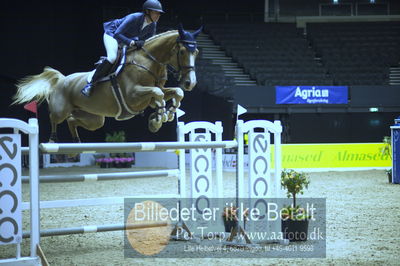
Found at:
[338, 155]
[311, 94]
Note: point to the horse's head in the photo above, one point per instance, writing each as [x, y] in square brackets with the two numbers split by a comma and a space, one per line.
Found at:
[180, 59]
[185, 58]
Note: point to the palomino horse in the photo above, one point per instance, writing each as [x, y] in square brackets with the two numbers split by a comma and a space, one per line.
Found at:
[141, 83]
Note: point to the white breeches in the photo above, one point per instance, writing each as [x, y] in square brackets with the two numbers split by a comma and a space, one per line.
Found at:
[111, 46]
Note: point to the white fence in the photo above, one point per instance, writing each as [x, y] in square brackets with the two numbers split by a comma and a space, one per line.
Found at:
[203, 136]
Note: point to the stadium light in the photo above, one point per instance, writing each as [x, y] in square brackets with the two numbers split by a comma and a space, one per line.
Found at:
[335, 1]
[372, 1]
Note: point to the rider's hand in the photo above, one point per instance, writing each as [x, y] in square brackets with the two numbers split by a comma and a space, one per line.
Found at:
[139, 44]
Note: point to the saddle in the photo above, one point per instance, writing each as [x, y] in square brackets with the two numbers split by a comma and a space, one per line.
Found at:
[116, 67]
[124, 112]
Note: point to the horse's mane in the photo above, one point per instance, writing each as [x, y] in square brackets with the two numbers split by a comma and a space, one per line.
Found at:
[163, 34]
[155, 37]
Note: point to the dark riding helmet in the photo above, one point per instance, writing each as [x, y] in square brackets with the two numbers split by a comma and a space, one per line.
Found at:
[153, 5]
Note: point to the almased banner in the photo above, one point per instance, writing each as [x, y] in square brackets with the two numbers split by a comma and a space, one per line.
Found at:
[355, 155]
[311, 94]
[328, 156]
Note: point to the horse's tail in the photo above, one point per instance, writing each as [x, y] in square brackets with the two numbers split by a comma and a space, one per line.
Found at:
[38, 87]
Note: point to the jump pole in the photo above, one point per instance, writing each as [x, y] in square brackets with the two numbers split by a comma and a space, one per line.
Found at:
[104, 176]
[65, 148]
[94, 229]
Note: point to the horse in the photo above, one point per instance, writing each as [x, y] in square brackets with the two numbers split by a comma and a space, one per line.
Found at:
[141, 84]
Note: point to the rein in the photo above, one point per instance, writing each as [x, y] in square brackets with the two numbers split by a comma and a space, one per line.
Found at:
[170, 68]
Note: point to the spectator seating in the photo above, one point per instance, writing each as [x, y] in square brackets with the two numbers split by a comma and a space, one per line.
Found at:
[357, 53]
[211, 79]
[272, 53]
[350, 53]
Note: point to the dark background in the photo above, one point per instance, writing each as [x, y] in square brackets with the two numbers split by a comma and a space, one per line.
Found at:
[67, 35]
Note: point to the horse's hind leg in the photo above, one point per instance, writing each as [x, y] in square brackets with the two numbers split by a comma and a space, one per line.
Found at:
[59, 111]
[53, 135]
[85, 120]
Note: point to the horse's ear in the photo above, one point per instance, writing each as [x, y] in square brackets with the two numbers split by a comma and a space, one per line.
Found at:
[197, 32]
[181, 31]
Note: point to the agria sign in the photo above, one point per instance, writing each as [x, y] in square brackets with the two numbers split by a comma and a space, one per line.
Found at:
[311, 94]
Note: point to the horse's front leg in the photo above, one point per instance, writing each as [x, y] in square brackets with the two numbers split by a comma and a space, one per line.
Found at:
[143, 96]
[175, 94]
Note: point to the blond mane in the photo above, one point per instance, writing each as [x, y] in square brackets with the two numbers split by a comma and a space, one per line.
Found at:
[163, 34]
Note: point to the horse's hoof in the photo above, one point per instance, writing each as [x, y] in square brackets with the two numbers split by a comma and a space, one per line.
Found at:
[154, 126]
[171, 116]
[164, 117]
[154, 123]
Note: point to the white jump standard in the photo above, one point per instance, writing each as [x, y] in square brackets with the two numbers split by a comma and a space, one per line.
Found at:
[203, 136]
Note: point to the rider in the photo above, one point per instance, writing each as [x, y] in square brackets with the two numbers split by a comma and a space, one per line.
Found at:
[132, 31]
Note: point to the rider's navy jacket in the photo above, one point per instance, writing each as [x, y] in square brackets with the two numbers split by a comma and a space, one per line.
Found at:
[129, 28]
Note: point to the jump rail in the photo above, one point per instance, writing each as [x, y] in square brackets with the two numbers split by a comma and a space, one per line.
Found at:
[48, 204]
[94, 229]
[65, 148]
[104, 176]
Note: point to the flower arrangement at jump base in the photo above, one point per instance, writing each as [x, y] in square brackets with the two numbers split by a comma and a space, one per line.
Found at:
[294, 218]
[117, 160]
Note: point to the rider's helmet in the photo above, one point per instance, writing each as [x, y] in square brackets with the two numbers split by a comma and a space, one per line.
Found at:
[153, 5]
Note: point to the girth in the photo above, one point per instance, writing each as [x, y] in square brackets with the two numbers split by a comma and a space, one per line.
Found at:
[124, 112]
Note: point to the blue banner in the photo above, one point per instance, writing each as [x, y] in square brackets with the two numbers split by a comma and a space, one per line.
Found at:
[311, 94]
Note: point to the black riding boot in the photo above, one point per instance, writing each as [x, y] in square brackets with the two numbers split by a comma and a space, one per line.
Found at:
[100, 72]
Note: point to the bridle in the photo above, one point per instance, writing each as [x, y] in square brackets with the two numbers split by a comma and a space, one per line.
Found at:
[188, 68]
[177, 73]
